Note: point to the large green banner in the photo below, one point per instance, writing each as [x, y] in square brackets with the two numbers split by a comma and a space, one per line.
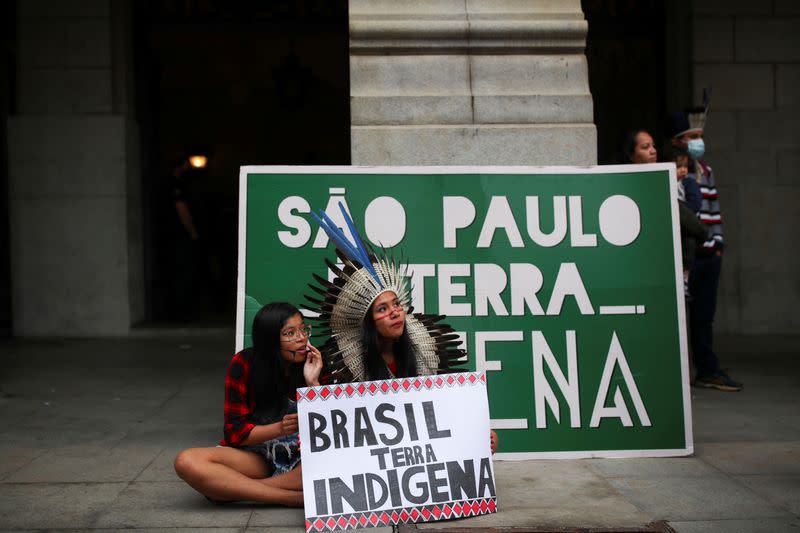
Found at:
[565, 284]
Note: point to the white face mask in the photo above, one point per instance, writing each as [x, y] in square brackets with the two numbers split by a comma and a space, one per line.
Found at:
[696, 148]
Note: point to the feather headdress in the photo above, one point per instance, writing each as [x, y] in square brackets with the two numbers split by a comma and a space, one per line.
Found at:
[692, 119]
[342, 305]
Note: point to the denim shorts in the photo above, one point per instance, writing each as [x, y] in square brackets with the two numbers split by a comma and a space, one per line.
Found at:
[283, 453]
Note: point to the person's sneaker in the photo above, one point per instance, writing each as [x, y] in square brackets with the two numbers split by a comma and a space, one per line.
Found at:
[719, 381]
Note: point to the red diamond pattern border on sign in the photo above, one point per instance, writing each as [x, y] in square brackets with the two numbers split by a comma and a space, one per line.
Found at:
[424, 513]
[390, 386]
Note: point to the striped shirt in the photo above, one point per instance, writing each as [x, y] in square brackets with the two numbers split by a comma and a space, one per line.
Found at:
[709, 212]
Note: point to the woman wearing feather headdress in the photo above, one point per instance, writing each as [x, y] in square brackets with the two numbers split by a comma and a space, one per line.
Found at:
[367, 312]
[389, 352]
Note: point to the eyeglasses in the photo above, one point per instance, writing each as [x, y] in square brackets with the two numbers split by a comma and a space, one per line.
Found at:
[296, 333]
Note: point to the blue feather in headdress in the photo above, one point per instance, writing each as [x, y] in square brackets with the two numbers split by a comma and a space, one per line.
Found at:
[355, 251]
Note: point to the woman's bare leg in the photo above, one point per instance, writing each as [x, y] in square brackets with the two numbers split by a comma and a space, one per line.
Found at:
[230, 474]
[292, 480]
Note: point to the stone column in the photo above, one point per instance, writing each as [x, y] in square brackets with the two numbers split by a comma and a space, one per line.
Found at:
[74, 198]
[470, 82]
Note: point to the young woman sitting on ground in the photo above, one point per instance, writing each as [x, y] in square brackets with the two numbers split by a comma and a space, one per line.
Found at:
[259, 457]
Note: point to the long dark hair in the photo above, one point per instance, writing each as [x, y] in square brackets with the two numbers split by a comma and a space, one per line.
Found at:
[404, 355]
[268, 369]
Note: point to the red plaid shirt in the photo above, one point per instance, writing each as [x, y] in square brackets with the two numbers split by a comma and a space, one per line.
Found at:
[239, 406]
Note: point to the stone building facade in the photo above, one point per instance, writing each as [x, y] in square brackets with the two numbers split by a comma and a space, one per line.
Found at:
[433, 82]
[469, 83]
[749, 52]
[74, 195]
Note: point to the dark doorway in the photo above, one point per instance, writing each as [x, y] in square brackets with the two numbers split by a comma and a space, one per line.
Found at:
[8, 90]
[246, 83]
[639, 67]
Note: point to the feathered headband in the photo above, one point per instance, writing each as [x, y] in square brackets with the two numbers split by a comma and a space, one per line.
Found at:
[346, 300]
[692, 119]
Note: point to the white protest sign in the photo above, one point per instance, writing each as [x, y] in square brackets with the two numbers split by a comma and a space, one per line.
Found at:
[381, 453]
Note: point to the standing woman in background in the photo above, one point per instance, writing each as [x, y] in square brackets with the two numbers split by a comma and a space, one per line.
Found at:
[639, 147]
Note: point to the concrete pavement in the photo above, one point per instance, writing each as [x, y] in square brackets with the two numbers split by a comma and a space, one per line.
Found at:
[90, 428]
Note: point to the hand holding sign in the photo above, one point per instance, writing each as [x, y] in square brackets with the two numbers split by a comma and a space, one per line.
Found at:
[403, 450]
[289, 424]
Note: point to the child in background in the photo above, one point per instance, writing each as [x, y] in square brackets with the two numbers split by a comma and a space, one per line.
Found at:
[689, 201]
[688, 190]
